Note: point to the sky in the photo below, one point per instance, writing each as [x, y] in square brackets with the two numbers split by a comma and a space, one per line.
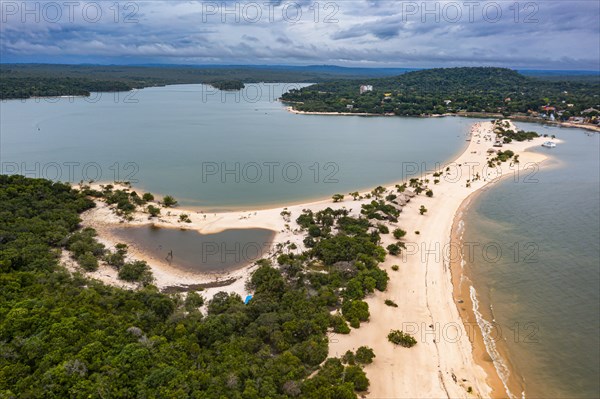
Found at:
[522, 35]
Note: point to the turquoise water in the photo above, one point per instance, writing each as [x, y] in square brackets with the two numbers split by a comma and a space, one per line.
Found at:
[544, 289]
[217, 150]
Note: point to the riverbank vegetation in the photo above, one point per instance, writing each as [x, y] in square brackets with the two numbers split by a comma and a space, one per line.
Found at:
[451, 91]
[65, 335]
[20, 81]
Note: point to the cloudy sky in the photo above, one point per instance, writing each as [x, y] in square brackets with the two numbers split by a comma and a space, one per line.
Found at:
[545, 34]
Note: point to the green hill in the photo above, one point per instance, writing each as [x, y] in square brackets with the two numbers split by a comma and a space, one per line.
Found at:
[447, 90]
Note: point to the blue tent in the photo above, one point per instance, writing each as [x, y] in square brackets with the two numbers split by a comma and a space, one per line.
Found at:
[247, 299]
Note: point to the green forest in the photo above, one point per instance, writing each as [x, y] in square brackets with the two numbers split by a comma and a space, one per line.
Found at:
[64, 335]
[450, 91]
[19, 81]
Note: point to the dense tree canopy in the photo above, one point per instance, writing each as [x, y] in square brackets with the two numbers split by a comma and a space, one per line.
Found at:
[449, 90]
[63, 335]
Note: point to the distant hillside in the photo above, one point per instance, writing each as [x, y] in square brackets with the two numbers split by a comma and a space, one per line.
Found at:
[448, 90]
[29, 80]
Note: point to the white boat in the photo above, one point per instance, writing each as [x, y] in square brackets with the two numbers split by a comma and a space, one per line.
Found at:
[549, 144]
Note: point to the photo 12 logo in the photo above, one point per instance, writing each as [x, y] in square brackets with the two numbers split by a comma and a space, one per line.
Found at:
[269, 172]
[74, 172]
[69, 12]
[250, 12]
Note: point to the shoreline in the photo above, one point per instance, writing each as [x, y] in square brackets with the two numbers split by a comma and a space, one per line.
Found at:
[592, 128]
[469, 303]
[423, 287]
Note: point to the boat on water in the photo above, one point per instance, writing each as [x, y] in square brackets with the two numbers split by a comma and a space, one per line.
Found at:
[549, 144]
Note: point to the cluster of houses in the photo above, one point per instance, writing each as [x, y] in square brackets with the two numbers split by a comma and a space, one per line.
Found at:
[590, 115]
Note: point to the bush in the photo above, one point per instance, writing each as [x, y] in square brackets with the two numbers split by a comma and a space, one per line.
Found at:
[137, 271]
[153, 211]
[398, 337]
[314, 231]
[148, 197]
[357, 376]
[169, 201]
[422, 210]
[391, 303]
[355, 312]
[394, 249]
[339, 325]
[88, 262]
[184, 218]
[429, 193]
[399, 233]
[395, 268]
[364, 355]
[349, 358]
[382, 228]
[337, 197]
[193, 301]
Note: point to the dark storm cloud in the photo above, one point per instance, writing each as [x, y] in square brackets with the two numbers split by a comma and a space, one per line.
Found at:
[548, 34]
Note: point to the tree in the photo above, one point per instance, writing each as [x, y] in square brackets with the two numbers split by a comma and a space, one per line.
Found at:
[383, 229]
[168, 201]
[88, 261]
[337, 197]
[137, 271]
[429, 193]
[394, 249]
[355, 311]
[364, 355]
[401, 338]
[422, 210]
[354, 195]
[399, 233]
[358, 377]
[153, 210]
[148, 197]
[193, 301]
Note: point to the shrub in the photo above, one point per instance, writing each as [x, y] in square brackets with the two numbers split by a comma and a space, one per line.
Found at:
[399, 233]
[88, 262]
[339, 325]
[422, 210]
[148, 197]
[364, 355]
[153, 211]
[429, 193]
[357, 376]
[394, 249]
[314, 231]
[401, 338]
[169, 201]
[391, 303]
[355, 312]
[383, 229]
[337, 197]
[184, 218]
[349, 358]
[395, 268]
[137, 271]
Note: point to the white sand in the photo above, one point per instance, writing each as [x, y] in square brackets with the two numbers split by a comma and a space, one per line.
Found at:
[422, 287]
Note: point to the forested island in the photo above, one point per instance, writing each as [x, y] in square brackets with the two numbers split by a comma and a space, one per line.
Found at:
[453, 91]
[63, 334]
[228, 85]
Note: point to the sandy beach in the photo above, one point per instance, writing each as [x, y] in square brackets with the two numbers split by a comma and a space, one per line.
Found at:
[450, 359]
